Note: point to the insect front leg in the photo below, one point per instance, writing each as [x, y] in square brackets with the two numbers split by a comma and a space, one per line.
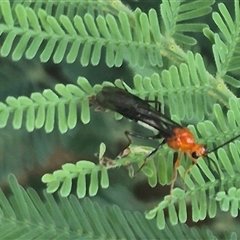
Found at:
[176, 165]
[194, 162]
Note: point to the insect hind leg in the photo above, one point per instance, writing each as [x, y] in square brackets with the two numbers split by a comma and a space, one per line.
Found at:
[174, 177]
[150, 155]
[136, 135]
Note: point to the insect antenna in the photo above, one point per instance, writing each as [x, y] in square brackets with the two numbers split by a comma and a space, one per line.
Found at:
[210, 160]
[222, 145]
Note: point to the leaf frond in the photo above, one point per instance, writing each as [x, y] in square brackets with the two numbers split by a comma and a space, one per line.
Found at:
[175, 14]
[176, 86]
[62, 179]
[31, 217]
[41, 109]
[226, 43]
[189, 83]
[58, 36]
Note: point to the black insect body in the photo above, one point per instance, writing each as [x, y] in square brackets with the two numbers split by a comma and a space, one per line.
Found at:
[137, 109]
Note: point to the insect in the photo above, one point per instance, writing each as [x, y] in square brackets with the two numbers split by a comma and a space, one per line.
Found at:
[177, 137]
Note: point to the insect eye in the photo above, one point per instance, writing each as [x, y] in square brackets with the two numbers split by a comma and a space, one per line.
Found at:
[195, 155]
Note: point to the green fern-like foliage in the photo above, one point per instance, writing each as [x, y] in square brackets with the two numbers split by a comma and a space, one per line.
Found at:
[189, 82]
[29, 217]
[121, 35]
[226, 46]
[41, 109]
[153, 45]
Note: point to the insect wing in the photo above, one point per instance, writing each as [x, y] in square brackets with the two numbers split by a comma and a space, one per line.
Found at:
[121, 101]
[135, 108]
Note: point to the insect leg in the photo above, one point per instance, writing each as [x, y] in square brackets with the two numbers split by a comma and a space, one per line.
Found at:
[176, 165]
[150, 154]
[156, 149]
[190, 167]
[136, 135]
[128, 134]
[157, 104]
